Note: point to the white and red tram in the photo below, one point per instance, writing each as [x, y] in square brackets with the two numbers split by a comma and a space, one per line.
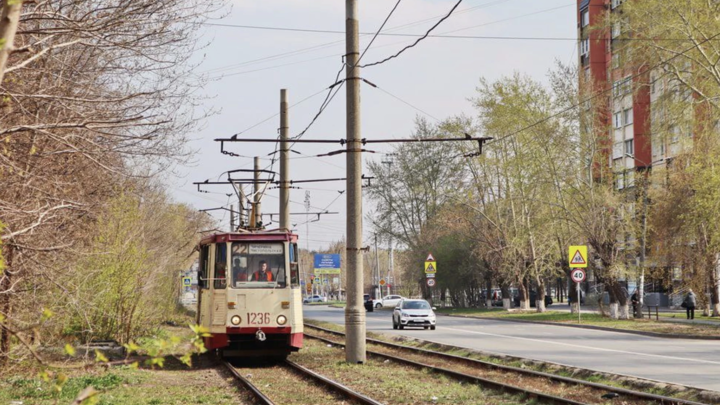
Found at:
[250, 297]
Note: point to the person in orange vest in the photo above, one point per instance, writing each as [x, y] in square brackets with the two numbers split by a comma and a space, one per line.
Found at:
[263, 274]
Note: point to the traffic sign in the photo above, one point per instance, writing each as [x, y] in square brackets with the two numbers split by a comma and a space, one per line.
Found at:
[431, 282]
[430, 267]
[430, 275]
[382, 281]
[577, 275]
[577, 256]
[430, 258]
[186, 281]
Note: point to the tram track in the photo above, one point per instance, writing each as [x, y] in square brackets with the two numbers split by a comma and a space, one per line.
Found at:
[511, 372]
[301, 372]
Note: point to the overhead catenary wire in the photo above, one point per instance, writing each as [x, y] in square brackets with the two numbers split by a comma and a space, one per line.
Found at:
[326, 44]
[416, 41]
[442, 35]
[378, 31]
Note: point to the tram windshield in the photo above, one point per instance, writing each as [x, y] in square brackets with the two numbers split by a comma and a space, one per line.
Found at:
[258, 265]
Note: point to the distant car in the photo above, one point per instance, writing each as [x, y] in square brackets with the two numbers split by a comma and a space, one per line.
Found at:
[413, 313]
[533, 298]
[390, 301]
[314, 298]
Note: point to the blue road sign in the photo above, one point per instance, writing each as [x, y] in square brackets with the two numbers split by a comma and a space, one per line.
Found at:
[327, 264]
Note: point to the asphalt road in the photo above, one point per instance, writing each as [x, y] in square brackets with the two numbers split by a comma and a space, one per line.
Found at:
[688, 362]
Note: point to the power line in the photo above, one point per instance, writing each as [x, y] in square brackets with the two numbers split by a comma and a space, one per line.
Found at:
[327, 44]
[404, 102]
[378, 31]
[600, 93]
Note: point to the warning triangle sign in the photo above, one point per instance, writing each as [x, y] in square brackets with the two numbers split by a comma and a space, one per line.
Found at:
[430, 258]
[430, 268]
[578, 258]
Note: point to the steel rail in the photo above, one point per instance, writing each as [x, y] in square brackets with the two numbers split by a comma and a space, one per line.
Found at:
[529, 394]
[660, 399]
[302, 372]
[259, 396]
[334, 385]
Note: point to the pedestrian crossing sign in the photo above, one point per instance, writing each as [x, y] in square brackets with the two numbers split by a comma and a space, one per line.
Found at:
[577, 256]
[430, 267]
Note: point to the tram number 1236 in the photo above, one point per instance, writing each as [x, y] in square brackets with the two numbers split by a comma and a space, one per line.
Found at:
[258, 318]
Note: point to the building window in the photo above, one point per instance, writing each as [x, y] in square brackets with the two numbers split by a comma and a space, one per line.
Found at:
[616, 3]
[615, 61]
[585, 18]
[628, 116]
[616, 30]
[617, 120]
[617, 152]
[629, 149]
[623, 86]
[584, 46]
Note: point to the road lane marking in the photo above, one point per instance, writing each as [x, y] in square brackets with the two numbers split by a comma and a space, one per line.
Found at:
[584, 347]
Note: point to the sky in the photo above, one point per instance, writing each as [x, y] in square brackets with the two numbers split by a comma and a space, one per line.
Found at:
[435, 80]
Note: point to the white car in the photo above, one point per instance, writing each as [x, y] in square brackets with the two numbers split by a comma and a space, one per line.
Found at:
[314, 298]
[391, 300]
[413, 313]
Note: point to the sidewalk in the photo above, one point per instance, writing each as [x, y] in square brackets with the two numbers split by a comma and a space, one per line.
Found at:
[663, 311]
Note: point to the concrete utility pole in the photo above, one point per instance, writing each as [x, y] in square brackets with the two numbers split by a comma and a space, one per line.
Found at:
[354, 310]
[256, 190]
[241, 206]
[284, 163]
[232, 218]
[391, 271]
[307, 232]
[377, 267]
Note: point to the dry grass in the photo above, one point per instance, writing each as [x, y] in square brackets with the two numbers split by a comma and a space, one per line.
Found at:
[391, 383]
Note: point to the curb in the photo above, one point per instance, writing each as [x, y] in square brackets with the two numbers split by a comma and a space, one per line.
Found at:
[633, 332]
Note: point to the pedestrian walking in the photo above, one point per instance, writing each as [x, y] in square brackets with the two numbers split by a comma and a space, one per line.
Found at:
[635, 300]
[689, 303]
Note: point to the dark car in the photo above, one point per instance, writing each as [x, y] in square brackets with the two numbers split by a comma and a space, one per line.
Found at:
[533, 298]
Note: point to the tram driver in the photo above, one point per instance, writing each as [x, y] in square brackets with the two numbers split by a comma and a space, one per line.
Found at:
[264, 274]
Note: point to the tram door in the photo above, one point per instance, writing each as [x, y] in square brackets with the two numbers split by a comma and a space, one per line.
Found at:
[218, 308]
[204, 277]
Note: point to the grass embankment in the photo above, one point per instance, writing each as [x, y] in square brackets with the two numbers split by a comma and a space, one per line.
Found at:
[643, 325]
[173, 384]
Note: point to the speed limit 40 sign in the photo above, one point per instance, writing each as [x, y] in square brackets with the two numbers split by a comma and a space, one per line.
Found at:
[577, 275]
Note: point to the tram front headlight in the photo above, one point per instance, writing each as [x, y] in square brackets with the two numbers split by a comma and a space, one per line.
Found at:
[281, 320]
[235, 320]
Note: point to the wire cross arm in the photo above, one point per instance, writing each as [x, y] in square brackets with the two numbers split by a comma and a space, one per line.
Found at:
[216, 209]
[363, 140]
[322, 180]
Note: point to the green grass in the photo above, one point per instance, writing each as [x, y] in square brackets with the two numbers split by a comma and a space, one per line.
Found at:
[124, 386]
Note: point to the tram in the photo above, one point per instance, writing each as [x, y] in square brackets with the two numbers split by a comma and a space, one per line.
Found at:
[249, 293]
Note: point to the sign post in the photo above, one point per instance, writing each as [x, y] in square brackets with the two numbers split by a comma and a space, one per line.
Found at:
[430, 270]
[578, 261]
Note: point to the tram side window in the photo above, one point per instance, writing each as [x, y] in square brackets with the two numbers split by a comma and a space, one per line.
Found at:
[203, 270]
[294, 269]
[220, 265]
